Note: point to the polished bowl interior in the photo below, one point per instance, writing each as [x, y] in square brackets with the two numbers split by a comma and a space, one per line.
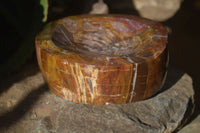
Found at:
[104, 35]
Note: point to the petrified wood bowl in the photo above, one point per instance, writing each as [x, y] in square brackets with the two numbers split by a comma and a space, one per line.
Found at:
[103, 59]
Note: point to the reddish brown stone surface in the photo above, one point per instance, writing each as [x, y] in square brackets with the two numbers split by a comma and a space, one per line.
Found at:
[103, 59]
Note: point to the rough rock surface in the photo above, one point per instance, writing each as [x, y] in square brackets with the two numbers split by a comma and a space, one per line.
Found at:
[27, 106]
[193, 127]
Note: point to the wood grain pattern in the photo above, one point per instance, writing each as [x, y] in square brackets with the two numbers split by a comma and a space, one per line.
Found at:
[103, 59]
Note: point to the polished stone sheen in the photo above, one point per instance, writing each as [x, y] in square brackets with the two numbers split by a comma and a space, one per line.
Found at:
[103, 59]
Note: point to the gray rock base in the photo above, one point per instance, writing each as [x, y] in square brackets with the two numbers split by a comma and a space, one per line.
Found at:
[28, 107]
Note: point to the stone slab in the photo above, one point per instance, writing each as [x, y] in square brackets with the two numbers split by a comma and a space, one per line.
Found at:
[27, 106]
